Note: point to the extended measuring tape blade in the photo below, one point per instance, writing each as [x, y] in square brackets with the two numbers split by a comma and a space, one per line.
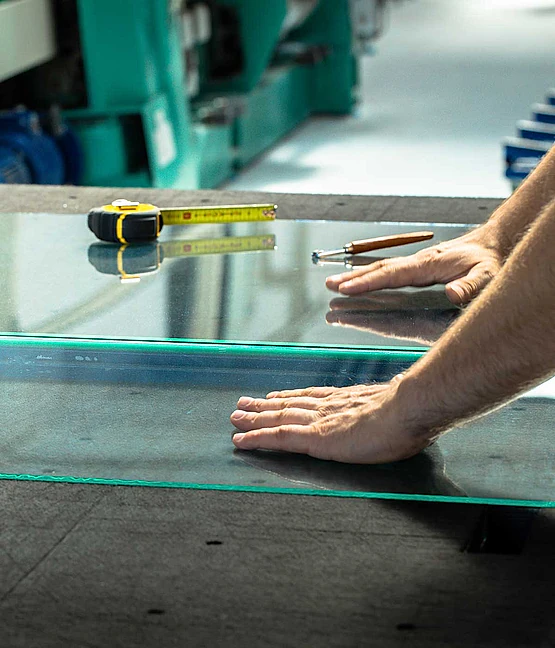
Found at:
[226, 245]
[218, 214]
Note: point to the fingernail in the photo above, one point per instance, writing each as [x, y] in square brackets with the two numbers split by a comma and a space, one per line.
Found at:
[458, 290]
[244, 401]
[238, 437]
[237, 415]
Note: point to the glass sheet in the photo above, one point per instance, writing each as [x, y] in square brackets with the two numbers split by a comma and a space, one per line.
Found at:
[201, 282]
[158, 414]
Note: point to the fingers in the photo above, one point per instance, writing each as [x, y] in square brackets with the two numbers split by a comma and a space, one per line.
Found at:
[294, 430]
[445, 263]
[289, 438]
[354, 424]
[248, 404]
[324, 392]
[463, 290]
[257, 413]
[281, 428]
[315, 392]
[389, 273]
[247, 421]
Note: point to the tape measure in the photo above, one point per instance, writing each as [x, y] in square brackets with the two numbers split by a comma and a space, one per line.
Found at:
[132, 222]
[131, 262]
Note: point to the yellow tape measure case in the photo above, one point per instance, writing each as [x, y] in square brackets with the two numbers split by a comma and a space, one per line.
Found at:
[126, 223]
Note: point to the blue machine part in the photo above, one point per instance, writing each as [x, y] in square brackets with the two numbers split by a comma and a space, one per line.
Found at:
[534, 138]
[517, 147]
[70, 149]
[34, 156]
[522, 156]
[544, 113]
[534, 130]
[521, 167]
[13, 169]
[67, 142]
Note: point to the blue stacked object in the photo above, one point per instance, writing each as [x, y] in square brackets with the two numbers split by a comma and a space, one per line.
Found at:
[13, 169]
[37, 149]
[534, 138]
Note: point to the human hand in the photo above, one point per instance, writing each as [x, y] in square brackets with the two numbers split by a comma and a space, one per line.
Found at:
[420, 317]
[465, 265]
[357, 424]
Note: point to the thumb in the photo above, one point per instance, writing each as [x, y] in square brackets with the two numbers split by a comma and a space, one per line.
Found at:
[463, 290]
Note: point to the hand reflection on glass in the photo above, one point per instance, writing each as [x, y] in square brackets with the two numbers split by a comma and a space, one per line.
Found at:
[415, 316]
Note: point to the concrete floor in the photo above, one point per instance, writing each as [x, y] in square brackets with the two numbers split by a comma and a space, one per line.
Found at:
[449, 80]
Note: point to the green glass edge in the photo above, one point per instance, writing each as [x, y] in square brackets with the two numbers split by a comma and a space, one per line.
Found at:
[281, 491]
[294, 345]
[178, 346]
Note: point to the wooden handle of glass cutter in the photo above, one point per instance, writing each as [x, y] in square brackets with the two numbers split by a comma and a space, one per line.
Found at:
[367, 245]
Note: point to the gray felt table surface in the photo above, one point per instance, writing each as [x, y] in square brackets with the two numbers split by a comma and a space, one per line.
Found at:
[97, 566]
[34, 198]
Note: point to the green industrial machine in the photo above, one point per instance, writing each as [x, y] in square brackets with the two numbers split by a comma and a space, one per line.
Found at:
[182, 93]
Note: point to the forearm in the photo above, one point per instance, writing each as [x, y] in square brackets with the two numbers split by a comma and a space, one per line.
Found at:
[512, 218]
[500, 346]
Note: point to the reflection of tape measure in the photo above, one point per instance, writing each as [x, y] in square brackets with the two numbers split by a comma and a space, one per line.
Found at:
[130, 262]
[133, 222]
[224, 245]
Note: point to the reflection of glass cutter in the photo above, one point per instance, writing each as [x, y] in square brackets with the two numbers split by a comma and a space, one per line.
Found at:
[347, 262]
[131, 262]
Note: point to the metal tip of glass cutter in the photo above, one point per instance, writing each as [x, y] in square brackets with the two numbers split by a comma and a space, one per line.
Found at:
[321, 254]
